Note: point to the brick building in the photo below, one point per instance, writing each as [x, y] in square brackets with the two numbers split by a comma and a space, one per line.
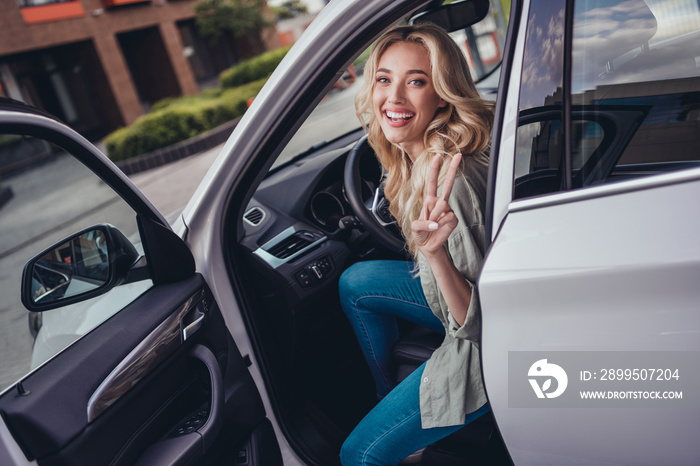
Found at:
[100, 64]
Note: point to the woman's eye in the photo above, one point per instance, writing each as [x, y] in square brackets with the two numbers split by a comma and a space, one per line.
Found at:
[417, 82]
[382, 79]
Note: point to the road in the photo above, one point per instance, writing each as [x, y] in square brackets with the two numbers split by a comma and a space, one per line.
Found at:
[71, 198]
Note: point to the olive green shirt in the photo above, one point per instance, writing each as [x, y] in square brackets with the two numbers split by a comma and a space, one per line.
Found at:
[452, 386]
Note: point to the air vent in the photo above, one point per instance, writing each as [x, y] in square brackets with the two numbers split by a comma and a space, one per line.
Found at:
[289, 245]
[254, 216]
[292, 244]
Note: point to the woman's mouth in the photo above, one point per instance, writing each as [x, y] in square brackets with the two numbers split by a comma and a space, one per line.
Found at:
[397, 117]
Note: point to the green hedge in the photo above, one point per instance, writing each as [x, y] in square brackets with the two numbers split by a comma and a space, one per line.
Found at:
[253, 69]
[182, 101]
[175, 120]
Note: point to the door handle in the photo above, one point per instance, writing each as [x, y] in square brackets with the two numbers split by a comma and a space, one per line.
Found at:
[212, 426]
[193, 320]
[191, 447]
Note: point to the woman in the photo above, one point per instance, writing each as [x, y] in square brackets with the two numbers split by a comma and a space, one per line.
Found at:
[430, 130]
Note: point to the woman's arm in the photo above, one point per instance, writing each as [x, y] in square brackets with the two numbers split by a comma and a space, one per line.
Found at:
[454, 287]
[431, 231]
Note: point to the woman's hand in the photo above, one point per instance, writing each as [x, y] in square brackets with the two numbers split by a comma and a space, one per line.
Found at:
[437, 220]
[430, 232]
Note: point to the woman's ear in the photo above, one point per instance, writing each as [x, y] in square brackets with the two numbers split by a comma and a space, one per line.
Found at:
[443, 104]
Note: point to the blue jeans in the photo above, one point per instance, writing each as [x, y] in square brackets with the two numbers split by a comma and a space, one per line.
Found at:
[392, 430]
[373, 294]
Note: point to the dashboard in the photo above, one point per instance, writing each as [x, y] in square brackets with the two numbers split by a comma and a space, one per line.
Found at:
[292, 226]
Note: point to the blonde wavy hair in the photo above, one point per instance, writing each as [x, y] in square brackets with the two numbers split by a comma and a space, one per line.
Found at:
[463, 126]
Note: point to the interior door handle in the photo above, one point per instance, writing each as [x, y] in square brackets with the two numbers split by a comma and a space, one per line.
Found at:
[187, 449]
[211, 428]
[193, 320]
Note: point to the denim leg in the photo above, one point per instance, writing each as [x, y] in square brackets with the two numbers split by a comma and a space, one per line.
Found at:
[392, 430]
[373, 294]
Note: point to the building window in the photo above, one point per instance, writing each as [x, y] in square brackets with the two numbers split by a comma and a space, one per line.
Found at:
[26, 3]
[111, 3]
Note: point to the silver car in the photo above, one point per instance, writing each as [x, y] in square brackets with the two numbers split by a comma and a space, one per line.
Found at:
[225, 342]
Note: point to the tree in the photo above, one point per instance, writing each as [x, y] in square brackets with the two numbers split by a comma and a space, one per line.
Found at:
[290, 9]
[241, 17]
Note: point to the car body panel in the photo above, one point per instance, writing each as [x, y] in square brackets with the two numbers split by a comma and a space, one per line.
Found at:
[501, 174]
[552, 286]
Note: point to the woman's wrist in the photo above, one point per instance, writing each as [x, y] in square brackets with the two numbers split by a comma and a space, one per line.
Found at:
[436, 255]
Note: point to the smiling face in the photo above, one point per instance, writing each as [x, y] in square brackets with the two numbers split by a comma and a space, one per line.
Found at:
[403, 98]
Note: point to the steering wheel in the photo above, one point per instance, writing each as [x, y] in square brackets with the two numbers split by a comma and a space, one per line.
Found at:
[374, 216]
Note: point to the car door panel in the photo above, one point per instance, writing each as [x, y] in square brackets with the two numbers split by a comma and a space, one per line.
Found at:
[47, 427]
[620, 274]
[161, 381]
[144, 415]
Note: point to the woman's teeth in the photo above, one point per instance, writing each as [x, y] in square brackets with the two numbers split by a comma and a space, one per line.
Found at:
[399, 116]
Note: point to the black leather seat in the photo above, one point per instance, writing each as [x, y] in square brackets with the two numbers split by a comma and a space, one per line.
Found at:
[478, 442]
[414, 349]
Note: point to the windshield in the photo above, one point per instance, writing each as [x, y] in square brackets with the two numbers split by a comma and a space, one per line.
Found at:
[335, 116]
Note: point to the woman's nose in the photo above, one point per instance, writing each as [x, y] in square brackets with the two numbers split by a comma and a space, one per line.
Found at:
[396, 95]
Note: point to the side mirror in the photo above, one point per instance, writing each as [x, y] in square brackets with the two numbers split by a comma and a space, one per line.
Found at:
[80, 267]
[454, 16]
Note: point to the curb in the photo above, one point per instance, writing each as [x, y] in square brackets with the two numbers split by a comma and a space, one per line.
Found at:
[180, 150]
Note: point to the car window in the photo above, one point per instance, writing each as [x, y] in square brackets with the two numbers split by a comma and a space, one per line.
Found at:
[635, 93]
[47, 196]
[540, 137]
[645, 56]
[538, 152]
[335, 115]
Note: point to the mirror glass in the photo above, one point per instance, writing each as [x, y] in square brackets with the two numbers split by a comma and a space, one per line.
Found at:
[73, 268]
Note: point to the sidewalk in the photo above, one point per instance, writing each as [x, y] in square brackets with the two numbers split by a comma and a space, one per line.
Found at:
[170, 186]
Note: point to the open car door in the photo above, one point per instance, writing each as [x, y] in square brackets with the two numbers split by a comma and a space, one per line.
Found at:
[589, 289]
[131, 362]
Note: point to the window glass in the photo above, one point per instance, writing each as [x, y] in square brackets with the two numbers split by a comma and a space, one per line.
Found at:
[539, 140]
[541, 82]
[483, 42]
[639, 62]
[539, 151]
[538, 147]
[537, 158]
[587, 137]
[46, 195]
[635, 99]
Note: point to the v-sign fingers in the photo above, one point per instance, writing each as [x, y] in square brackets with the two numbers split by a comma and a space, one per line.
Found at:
[433, 175]
[441, 207]
[424, 212]
[450, 177]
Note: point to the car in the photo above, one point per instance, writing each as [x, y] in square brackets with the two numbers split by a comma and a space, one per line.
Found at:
[233, 349]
